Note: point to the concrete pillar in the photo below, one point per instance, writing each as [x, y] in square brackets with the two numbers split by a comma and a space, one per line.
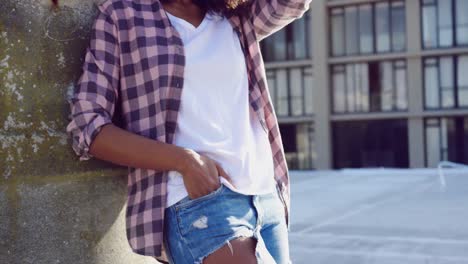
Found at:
[322, 93]
[53, 208]
[415, 86]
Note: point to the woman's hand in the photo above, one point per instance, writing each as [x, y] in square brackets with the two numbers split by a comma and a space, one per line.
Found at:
[201, 174]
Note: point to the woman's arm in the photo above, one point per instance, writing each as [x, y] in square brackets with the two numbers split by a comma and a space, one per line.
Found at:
[120, 146]
[94, 135]
[269, 16]
[93, 106]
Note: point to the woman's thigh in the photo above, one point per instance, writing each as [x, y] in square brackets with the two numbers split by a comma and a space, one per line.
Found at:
[197, 228]
[274, 230]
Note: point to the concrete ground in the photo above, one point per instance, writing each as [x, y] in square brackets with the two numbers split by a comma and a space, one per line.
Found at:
[379, 216]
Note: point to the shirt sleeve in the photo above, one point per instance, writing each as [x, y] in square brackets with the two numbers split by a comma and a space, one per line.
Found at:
[95, 94]
[269, 16]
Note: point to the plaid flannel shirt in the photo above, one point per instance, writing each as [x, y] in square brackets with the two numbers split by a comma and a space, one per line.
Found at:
[134, 69]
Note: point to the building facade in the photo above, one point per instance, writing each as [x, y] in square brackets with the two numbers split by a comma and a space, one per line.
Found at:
[372, 83]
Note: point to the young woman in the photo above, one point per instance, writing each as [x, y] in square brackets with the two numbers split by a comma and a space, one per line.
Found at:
[176, 91]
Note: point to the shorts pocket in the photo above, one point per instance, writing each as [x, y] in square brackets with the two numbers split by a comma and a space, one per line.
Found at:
[187, 202]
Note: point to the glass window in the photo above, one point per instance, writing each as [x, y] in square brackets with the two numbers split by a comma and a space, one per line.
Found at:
[386, 85]
[282, 92]
[462, 81]
[370, 143]
[368, 87]
[296, 86]
[337, 31]
[291, 90]
[432, 143]
[308, 84]
[401, 89]
[350, 88]
[382, 15]
[271, 80]
[446, 82]
[368, 28]
[366, 37]
[462, 22]
[351, 18]
[445, 23]
[446, 139]
[298, 140]
[431, 80]
[398, 26]
[429, 15]
[289, 43]
[339, 102]
[362, 93]
[299, 38]
[274, 47]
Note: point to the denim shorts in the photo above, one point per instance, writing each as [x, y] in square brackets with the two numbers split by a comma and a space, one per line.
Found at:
[194, 228]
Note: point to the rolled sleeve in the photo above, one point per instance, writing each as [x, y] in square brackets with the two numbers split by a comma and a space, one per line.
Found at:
[93, 100]
[269, 16]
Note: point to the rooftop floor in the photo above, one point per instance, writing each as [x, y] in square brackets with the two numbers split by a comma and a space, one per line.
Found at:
[382, 216]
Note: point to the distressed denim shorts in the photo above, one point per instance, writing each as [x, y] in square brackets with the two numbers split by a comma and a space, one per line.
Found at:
[194, 228]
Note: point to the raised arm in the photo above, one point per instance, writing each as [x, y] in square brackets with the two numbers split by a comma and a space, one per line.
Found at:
[269, 16]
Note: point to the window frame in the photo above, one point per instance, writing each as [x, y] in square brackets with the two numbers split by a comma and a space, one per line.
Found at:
[455, 66]
[396, 64]
[305, 71]
[290, 51]
[392, 6]
[435, 4]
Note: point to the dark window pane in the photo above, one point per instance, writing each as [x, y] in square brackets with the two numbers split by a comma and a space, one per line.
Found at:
[398, 26]
[462, 22]
[366, 38]
[446, 139]
[300, 34]
[382, 18]
[288, 134]
[382, 143]
[351, 18]
[297, 142]
[274, 47]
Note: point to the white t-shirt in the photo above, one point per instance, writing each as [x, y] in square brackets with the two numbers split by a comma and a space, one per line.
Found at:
[215, 117]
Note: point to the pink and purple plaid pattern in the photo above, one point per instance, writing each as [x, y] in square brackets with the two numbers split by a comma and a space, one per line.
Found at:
[134, 67]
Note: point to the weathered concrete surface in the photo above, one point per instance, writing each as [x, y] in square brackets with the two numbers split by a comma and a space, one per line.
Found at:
[53, 208]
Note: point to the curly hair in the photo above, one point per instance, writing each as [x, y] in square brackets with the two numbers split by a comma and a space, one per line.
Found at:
[225, 7]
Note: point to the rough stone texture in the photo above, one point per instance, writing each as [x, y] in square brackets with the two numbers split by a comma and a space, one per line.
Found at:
[53, 208]
[41, 55]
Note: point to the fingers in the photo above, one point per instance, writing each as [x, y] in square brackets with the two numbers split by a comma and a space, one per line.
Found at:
[223, 173]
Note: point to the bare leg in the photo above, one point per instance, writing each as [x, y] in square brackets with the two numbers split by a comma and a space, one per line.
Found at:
[243, 251]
